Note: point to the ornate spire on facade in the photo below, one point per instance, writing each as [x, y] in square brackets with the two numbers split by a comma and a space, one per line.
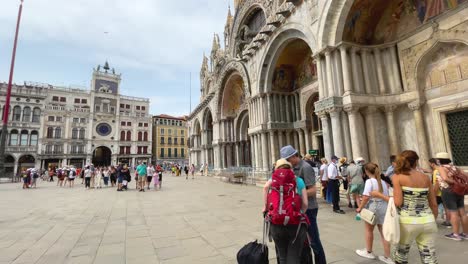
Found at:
[228, 28]
[237, 3]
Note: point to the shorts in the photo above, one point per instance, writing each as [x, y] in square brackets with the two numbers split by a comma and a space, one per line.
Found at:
[142, 178]
[452, 201]
[379, 207]
[345, 184]
[356, 188]
[71, 179]
[25, 180]
[120, 179]
[160, 177]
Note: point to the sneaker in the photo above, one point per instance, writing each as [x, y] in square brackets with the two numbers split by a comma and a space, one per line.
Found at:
[339, 211]
[355, 206]
[452, 236]
[446, 224]
[350, 205]
[365, 254]
[386, 260]
[464, 236]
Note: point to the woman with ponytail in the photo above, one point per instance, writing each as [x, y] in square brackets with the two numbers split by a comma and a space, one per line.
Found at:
[416, 200]
[379, 207]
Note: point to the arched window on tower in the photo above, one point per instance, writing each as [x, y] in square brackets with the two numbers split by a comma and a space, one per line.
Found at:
[82, 133]
[13, 137]
[129, 136]
[27, 114]
[24, 138]
[75, 133]
[50, 132]
[33, 138]
[122, 135]
[16, 113]
[140, 136]
[36, 115]
[58, 132]
[145, 136]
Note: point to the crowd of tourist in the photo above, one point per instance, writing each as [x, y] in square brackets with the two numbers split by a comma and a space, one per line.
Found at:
[419, 195]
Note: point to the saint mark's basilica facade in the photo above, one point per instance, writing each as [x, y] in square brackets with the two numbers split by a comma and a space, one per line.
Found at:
[355, 78]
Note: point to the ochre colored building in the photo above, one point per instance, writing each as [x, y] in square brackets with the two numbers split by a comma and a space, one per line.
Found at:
[170, 139]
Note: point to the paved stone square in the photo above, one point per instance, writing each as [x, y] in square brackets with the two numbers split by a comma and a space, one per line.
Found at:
[196, 221]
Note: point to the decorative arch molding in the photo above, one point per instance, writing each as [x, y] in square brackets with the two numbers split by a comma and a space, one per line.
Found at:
[232, 67]
[244, 10]
[196, 125]
[240, 122]
[207, 111]
[332, 22]
[288, 33]
[102, 146]
[413, 57]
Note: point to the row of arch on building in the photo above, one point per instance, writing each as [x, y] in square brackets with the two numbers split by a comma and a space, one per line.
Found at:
[348, 99]
[22, 137]
[26, 114]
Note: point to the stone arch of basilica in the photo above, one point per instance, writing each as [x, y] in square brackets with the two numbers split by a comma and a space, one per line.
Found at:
[365, 78]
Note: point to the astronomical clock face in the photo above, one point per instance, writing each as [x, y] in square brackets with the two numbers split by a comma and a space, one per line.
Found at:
[103, 129]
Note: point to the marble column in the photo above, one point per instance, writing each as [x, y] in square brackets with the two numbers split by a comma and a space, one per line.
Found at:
[366, 70]
[320, 78]
[420, 133]
[259, 152]
[380, 71]
[357, 76]
[274, 152]
[329, 74]
[306, 132]
[347, 135]
[357, 132]
[270, 108]
[253, 150]
[392, 134]
[287, 111]
[337, 132]
[395, 70]
[239, 155]
[229, 157]
[265, 158]
[370, 115]
[281, 141]
[297, 100]
[302, 146]
[347, 81]
[338, 74]
[295, 139]
[327, 140]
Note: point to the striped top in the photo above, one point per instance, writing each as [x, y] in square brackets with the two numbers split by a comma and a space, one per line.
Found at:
[415, 208]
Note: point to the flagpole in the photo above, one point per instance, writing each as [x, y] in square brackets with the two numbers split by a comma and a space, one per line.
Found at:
[190, 93]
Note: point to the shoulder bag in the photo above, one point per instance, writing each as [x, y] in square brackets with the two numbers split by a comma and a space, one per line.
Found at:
[391, 225]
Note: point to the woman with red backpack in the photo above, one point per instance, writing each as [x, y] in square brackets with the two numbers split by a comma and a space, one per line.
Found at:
[285, 200]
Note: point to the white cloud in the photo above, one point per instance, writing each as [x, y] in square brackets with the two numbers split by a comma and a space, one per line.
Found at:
[163, 37]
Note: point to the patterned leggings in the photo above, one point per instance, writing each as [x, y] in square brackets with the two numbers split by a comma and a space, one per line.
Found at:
[424, 236]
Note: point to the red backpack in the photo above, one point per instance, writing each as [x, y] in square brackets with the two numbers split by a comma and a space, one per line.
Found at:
[460, 187]
[284, 204]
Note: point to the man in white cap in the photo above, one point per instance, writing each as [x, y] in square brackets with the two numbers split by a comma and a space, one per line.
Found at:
[334, 184]
[303, 170]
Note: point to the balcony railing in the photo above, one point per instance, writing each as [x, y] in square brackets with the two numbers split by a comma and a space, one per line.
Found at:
[52, 152]
[21, 149]
[20, 124]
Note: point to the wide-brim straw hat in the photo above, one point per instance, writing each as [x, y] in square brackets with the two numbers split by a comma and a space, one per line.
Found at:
[282, 162]
[442, 155]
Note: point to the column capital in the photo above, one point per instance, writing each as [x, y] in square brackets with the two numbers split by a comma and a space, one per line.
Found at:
[335, 111]
[343, 48]
[322, 114]
[390, 108]
[370, 110]
[351, 109]
[416, 105]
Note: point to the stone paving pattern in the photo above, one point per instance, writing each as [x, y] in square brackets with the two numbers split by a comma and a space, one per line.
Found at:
[196, 221]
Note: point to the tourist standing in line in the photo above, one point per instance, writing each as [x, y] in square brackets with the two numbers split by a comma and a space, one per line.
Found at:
[106, 173]
[455, 203]
[303, 170]
[289, 239]
[71, 177]
[149, 175]
[186, 170]
[356, 187]
[141, 170]
[415, 198]
[334, 184]
[120, 177]
[434, 164]
[379, 207]
[87, 177]
[97, 178]
[390, 170]
[93, 175]
[343, 170]
[192, 171]
[113, 176]
[324, 179]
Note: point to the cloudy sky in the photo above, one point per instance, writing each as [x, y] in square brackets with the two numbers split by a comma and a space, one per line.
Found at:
[155, 44]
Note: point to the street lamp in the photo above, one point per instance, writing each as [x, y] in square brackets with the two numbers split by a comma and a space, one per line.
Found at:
[8, 96]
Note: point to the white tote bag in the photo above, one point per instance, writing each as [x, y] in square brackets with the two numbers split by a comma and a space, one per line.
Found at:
[391, 225]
